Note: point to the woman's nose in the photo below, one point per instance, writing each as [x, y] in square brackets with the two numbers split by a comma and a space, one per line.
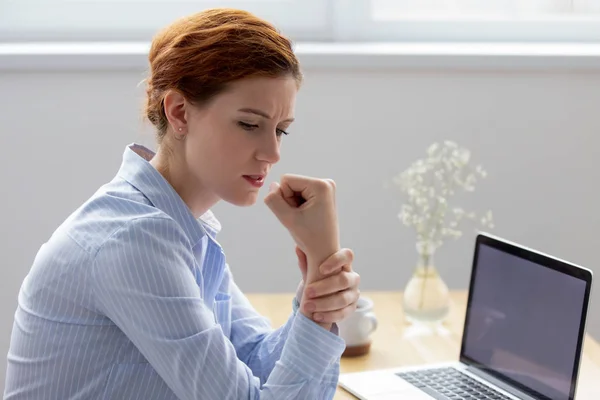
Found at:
[269, 150]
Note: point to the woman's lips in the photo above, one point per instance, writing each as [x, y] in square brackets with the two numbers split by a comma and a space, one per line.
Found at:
[255, 180]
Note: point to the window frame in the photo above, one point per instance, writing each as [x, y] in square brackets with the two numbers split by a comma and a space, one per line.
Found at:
[302, 20]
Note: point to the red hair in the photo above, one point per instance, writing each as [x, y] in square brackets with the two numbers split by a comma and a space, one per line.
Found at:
[200, 54]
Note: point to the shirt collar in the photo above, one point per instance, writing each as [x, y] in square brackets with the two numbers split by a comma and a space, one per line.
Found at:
[136, 170]
[211, 223]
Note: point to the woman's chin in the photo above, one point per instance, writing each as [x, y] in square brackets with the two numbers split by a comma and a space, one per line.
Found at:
[243, 199]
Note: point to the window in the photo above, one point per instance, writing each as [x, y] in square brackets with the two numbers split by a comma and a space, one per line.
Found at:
[471, 20]
[314, 20]
[132, 20]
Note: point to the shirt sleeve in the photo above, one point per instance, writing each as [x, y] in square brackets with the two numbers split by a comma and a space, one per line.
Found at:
[260, 347]
[142, 280]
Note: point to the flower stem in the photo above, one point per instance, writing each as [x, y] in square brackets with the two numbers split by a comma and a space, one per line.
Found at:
[422, 297]
[425, 260]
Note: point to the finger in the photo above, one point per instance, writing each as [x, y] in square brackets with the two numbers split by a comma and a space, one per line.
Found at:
[274, 200]
[334, 316]
[289, 195]
[295, 189]
[338, 261]
[333, 284]
[304, 186]
[332, 302]
[296, 183]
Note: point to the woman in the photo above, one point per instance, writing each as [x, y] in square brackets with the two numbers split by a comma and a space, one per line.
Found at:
[131, 297]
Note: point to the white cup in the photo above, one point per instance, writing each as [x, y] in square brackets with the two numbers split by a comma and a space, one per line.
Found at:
[356, 330]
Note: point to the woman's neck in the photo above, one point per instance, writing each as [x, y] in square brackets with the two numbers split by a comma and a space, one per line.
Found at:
[174, 169]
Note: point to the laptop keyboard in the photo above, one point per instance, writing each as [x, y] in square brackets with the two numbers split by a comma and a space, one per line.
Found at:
[450, 384]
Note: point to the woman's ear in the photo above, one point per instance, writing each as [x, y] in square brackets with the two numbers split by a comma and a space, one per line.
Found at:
[174, 104]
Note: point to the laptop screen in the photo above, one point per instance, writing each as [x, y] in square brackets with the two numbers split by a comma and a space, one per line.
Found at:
[524, 321]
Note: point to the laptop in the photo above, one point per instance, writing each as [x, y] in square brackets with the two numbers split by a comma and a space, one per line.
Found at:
[522, 337]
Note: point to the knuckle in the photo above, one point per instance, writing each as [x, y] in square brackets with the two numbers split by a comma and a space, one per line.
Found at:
[344, 280]
[350, 254]
[316, 288]
[325, 185]
[284, 178]
[349, 298]
[321, 185]
[340, 258]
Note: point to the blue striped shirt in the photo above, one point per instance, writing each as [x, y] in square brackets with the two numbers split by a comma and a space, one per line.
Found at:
[132, 298]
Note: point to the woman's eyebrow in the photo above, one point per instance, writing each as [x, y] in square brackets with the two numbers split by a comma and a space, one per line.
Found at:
[261, 113]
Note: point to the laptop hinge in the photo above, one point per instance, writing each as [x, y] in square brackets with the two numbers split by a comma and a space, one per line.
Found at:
[497, 382]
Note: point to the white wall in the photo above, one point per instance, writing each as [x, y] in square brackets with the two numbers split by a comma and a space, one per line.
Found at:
[537, 134]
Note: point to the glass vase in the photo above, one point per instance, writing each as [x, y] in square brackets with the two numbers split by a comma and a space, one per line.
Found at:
[426, 297]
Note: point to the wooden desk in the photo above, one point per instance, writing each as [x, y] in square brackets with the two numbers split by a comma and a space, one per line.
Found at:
[390, 349]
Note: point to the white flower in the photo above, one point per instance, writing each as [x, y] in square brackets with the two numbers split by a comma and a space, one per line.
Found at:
[460, 157]
[479, 169]
[432, 149]
[430, 184]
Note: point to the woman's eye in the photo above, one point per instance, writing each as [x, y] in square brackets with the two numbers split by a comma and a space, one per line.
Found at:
[246, 126]
[250, 127]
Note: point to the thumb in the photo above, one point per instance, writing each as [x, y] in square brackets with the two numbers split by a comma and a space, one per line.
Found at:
[275, 201]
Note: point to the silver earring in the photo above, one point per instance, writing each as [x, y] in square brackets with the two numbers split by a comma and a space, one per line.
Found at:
[180, 137]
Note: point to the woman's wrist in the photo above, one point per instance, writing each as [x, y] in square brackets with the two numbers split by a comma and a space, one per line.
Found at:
[299, 292]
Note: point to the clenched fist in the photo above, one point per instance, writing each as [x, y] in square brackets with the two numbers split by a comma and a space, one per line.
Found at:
[306, 207]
